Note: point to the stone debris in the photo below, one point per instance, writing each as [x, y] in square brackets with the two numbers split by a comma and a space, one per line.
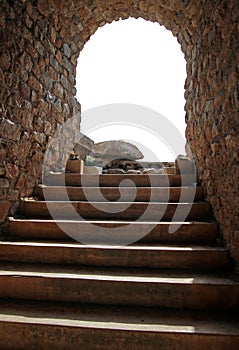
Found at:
[152, 171]
[114, 171]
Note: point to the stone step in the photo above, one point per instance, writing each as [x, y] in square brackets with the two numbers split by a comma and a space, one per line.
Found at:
[169, 170]
[112, 286]
[112, 210]
[140, 256]
[68, 179]
[56, 326]
[122, 194]
[184, 232]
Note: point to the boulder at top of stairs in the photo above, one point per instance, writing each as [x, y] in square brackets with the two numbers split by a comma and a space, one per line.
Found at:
[116, 149]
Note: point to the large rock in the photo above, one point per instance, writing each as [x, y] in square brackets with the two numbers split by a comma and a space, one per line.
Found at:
[116, 149]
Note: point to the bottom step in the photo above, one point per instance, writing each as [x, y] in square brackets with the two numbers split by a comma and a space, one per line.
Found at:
[31, 325]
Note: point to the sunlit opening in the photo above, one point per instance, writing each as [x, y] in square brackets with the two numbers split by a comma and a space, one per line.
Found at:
[138, 62]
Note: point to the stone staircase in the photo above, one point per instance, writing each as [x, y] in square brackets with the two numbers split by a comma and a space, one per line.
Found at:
[141, 274]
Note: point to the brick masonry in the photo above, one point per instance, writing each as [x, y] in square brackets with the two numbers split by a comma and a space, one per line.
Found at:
[40, 43]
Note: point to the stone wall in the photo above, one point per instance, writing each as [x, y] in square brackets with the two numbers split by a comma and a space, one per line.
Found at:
[40, 43]
[37, 77]
[213, 113]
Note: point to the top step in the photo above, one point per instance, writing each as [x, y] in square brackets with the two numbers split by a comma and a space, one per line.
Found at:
[165, 180]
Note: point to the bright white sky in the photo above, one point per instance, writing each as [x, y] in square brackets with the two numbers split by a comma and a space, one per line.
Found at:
[138, 62]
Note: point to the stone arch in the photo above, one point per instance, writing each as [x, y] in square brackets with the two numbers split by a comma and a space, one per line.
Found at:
[41, 41]
[88, 16]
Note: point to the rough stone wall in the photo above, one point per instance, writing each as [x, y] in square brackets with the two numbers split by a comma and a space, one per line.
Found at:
[41, 41]
[213, 113]
[37, 78]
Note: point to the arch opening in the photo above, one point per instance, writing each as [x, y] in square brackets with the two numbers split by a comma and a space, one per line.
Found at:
[137, 62]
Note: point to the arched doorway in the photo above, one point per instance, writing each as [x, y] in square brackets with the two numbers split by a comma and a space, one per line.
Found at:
[41, 43]
[138, 62]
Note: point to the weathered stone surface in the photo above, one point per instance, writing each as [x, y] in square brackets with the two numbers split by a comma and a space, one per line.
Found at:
[116, 149]
[4, 208]
[25, 60]
[67, 50]
[34, 84]
[3, 150]
[10, 130]
[58, 90]
[84, 146]
[5, 60]
[4, 183]
[12, 171]
[183, 165]
[54, 63]
[21, 181]
[13, 195]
